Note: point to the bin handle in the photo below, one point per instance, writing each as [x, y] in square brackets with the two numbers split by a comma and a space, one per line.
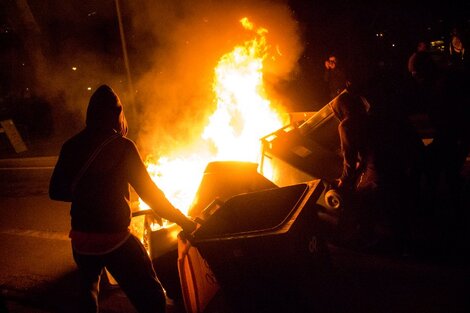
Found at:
[147, 213]
[209, 210]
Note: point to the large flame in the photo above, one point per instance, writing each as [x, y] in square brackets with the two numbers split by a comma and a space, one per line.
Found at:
[243, 115]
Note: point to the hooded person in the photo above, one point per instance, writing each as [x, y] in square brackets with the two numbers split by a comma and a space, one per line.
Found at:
[379, 152]
[94, 171]
[352, 115]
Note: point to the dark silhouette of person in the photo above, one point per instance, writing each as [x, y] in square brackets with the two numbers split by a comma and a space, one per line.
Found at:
[379, 154]
[456, 57]
[420, 62]
[335, 77]
[100, 205]
[424, 74]
[446, 155]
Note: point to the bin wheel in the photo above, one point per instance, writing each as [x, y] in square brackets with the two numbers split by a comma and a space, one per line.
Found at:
[333, 199]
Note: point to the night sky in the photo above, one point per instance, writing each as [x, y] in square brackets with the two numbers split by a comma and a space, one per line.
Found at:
[330, 26]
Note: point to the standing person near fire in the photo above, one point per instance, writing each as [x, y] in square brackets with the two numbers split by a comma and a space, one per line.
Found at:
[447, 153]
[456, 55]
[334, 76]
[94, 171]
[421, 64]
[379, 156]
[424, 76]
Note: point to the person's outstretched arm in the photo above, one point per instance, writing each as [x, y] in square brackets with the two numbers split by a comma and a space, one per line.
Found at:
[148, 191]
[350, 157]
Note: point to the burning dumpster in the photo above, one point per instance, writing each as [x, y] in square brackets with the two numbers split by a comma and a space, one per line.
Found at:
[311, 150]
[224, 179]
[221, 180]
[305, 152]
[265, 245]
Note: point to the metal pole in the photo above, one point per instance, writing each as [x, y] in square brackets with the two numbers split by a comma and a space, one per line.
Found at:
[126, 59]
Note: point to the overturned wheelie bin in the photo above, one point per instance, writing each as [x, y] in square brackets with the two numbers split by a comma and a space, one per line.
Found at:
[266, 250]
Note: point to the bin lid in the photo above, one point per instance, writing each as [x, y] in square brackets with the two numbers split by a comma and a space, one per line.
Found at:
[257, 211]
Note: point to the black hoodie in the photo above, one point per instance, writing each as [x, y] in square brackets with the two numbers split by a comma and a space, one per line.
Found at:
[101, 199]
[378, 148]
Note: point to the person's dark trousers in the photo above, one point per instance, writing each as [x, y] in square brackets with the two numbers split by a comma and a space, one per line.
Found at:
[132, 268]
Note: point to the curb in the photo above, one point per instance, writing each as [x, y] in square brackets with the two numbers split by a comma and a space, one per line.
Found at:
[31, 162]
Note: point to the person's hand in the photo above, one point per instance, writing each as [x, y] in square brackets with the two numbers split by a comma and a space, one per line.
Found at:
[184, 236]
[190, 226]
[188, 230]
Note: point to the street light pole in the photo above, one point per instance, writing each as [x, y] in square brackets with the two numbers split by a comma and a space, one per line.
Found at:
[126, 60]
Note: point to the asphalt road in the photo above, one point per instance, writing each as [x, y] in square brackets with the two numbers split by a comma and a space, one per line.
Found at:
[37, 273]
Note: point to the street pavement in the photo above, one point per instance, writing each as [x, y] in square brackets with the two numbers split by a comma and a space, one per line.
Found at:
[38, 275]
[37, 270]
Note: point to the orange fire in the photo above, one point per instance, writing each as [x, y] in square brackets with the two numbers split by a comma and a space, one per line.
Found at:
[243, 115]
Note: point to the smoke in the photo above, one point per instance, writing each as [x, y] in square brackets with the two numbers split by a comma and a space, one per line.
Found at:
[68, 49]
[173, 45]
[73, 77]
[186, 39]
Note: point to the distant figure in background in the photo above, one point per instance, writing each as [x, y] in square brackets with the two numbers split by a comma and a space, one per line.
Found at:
[424, 75]
[447, 153]
[457, 57]
[94, 171]
[420, 63]
[379, 153]
[335, 77]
